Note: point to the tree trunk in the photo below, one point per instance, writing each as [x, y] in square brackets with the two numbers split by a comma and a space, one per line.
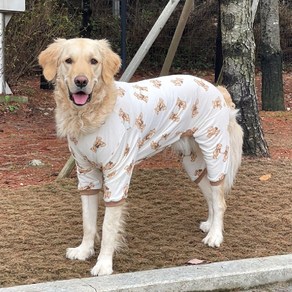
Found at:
[238, 48]
[271, 57]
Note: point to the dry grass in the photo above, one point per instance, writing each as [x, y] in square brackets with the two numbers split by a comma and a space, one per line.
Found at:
[38, 223]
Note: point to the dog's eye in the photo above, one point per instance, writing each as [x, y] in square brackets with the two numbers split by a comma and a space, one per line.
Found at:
[93, 61]
[69, 61]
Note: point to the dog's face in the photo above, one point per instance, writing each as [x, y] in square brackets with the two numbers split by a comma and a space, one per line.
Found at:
[81, 65]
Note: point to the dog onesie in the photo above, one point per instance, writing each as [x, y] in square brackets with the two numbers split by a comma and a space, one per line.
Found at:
[149, 116]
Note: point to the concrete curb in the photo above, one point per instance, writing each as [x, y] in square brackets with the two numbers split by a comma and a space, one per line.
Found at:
[221, 275]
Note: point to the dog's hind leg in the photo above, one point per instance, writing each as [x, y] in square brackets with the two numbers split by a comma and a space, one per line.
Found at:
[217, 206]
[89, 216]
[204, 185]
[111, 239]
[195, 165]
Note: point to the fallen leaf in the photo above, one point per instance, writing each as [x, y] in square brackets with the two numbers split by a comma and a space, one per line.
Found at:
[265, 177]
[196, 262]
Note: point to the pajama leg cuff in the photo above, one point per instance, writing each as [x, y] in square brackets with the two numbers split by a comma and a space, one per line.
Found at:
[114, 204]
[90, 192]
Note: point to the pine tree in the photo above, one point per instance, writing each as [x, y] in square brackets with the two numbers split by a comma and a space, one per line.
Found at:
[238, 49]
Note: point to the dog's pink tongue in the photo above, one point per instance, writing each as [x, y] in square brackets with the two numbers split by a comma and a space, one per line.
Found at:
[80, 98]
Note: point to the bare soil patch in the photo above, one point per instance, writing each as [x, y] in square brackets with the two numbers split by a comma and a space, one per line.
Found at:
[40, 218]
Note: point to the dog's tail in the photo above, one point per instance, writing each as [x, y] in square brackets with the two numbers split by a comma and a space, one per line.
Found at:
[236, 141]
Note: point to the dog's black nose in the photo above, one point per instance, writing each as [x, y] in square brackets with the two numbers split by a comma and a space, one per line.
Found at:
[81, 81]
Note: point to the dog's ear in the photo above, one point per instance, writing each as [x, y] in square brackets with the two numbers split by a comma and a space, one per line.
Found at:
[48, 59]
[111, 62]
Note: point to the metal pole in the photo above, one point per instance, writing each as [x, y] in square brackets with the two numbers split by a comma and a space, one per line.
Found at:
[2, 63]
[123, 33]
[86, 13]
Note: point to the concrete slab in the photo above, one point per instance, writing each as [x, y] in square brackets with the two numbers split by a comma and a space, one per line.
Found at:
[240, 274]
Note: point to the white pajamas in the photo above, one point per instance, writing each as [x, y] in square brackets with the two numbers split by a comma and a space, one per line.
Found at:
[149, 116]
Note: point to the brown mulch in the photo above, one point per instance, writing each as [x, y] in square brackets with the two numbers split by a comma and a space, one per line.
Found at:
[38, 223]
[40, 218]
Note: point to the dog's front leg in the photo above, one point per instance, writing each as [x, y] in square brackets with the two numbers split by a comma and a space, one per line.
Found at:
[89, 216]
[111, 240]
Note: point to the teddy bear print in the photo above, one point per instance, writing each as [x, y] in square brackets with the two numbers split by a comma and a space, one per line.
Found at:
[221, 177]
[160, 106]
[141, 88]
[217, 103]
[74, 140]
[124, 116]
[92, 163]
[225, 153]
[121, 91]
[193, 156]
[198, 172]
[177, 81]
[148, 137]
[111, 174]
[189, 132]
[165, 136]
[97, 144]
[107, 193]
[90, 186]
[156, 83]
[202, 84]
[181, 104]
[141, 96]
[174, 117]
[127, 150]
[109, 166]
[140, 143]
[129, 168]
[140, 123]
[195, 109]
[126, 190]
[155, 145]
[217, 151]
[213, 131]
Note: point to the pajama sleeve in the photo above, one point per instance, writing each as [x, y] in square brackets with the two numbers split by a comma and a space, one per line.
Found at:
[88, 173]
[117, 173]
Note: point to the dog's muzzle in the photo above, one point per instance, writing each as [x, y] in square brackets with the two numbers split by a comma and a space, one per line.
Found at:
[80, 98]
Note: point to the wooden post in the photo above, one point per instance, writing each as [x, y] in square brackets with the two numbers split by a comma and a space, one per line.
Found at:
[188, 7]
[67, 169]
[6, 10]
[149, 40]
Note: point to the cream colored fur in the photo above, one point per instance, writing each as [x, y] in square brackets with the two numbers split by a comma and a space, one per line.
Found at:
[64, 61]
[71, 120]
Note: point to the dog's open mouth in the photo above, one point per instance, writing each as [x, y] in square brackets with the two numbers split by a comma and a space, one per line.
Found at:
[80, 98]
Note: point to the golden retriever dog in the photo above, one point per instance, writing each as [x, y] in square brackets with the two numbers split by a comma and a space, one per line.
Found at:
[111, 126]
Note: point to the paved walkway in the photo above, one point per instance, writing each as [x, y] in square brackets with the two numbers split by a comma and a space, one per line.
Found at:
[240, 274]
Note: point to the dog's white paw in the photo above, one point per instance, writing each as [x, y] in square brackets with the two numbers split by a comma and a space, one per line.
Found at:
[213, 239]
[103, 267]
[205, 226]
[79, 253]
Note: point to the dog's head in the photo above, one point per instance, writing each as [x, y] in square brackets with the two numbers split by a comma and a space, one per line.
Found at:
[81, 65]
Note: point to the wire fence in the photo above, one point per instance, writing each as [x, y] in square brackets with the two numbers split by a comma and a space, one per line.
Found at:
[197, 46]
[30, 32]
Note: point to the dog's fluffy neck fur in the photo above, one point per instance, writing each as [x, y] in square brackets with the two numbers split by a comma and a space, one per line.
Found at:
[73, 121]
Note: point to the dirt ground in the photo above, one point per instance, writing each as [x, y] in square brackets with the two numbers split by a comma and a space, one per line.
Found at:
[40, 218]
